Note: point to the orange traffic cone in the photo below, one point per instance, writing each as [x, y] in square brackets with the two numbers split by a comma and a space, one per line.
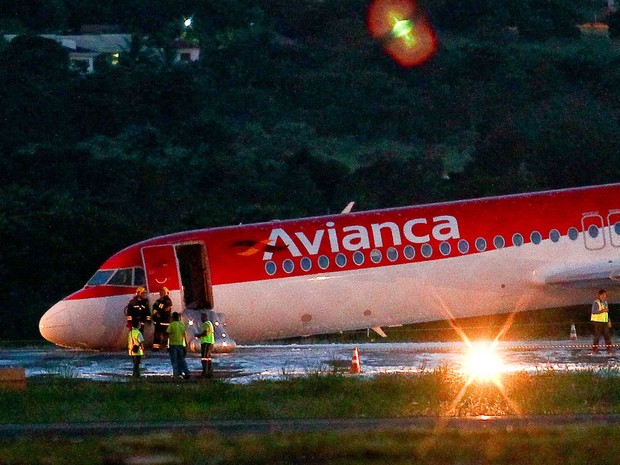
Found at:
[573, 332]
[356, 367]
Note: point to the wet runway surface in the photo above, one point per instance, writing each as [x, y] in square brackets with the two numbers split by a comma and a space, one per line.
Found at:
[257, 362]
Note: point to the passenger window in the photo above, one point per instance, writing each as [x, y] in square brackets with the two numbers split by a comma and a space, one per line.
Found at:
[481, 244]
[306, 264]
[593, 231]
[499, 242]
[573, 234]
[463, 246]
[427, 250]
[392, 254]
[270, 268]
[358, 258]
[517, 239]
[536, 237]
[323, 262]
[288, 266]
[375, 256]
[409, 252]
[123, 277]
[445, 248]
[554, 235]
[341, 260]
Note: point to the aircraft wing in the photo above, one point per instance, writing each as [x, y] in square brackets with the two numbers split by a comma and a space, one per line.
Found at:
[581, 275]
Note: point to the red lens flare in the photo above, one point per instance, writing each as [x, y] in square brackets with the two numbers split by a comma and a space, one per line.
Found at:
[402, 30]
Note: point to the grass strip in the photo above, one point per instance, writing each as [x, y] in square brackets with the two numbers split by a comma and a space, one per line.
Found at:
[573, 445]
[439, 393]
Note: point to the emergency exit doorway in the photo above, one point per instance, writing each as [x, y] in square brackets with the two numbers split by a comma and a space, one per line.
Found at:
[195, 276]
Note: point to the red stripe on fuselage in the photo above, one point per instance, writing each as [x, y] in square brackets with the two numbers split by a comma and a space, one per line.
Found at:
[239, 253]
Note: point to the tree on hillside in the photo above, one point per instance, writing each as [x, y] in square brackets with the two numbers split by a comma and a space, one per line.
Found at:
[549, 18]
[31, 56]
[614, 25]
[35, 15]
[33, 76]
[468, 16]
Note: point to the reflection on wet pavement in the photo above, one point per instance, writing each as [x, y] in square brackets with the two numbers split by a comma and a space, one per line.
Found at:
[271, 361]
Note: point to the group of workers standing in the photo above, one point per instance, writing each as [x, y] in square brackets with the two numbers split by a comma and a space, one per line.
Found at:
[169, 332]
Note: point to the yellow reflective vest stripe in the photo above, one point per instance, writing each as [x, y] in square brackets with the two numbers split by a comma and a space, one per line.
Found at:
[209, 338]
[601, 317]
[133, 339]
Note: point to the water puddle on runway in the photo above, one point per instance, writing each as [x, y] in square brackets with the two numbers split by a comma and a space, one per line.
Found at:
[270, 361]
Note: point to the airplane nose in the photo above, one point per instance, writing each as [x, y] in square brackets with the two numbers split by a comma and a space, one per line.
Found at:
[55, 324]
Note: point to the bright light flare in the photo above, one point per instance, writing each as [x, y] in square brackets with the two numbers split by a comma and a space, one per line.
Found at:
[482, 363]
[402, 30]
[187, 22]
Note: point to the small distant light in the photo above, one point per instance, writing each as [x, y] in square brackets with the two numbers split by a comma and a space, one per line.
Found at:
[187, 22]
[191, 322]
[223, 334]
[217, 323]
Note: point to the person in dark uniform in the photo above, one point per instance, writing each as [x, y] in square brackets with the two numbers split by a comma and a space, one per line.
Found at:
[138, 309]
[161, 317]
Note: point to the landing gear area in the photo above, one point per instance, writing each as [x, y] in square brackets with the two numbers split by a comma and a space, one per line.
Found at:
[223, 343]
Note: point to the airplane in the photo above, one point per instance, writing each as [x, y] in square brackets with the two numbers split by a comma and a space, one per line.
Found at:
[359, 270]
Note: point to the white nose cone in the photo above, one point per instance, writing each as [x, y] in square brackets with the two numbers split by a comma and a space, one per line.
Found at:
[55, 325]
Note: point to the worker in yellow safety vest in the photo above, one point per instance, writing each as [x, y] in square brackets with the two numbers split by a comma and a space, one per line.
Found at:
[207, 340]
[177, 347]
[135, 346]
[601, 323]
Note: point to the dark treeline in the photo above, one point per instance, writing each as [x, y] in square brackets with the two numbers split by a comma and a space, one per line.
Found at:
[292, 110]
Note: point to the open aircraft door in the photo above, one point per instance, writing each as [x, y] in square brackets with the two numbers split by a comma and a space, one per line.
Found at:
[180, 267]
[160, 264]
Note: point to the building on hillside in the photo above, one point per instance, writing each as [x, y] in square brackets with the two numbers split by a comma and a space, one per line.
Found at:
[186, 51]
[84, 49]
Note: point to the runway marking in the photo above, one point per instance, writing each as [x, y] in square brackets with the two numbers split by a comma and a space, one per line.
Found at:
[515, 348]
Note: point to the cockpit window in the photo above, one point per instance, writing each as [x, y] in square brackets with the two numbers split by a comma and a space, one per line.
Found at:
[100, 277]
[139, 279]
[122, 277]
